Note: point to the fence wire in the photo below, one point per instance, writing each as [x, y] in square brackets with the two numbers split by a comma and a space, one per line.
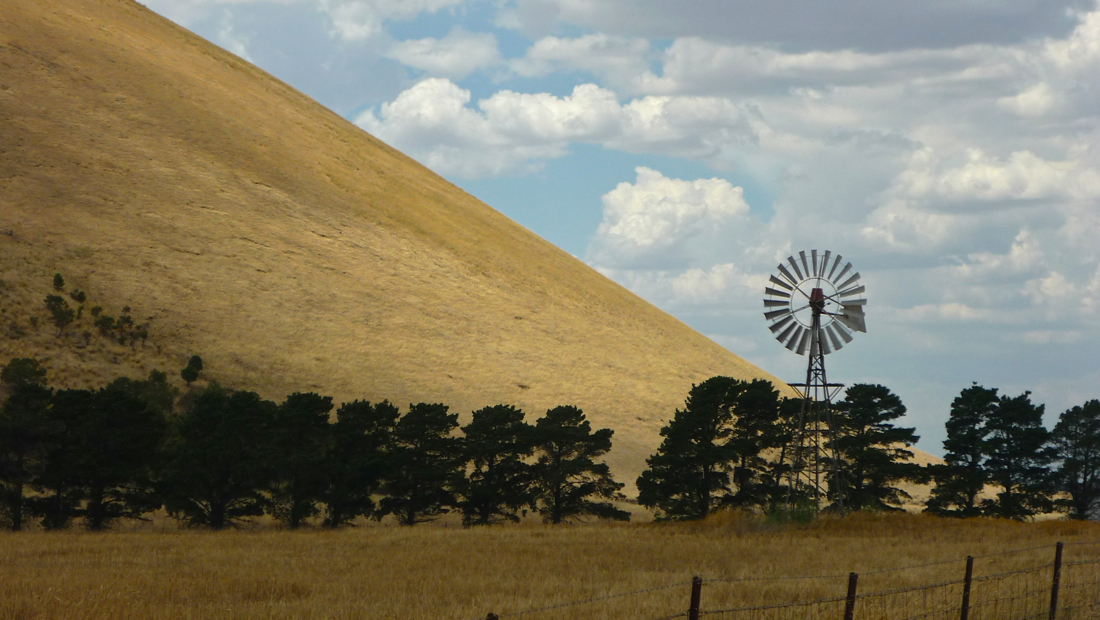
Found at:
[1013, 593]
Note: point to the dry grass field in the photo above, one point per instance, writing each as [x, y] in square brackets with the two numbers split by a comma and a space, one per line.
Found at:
[439, 572]
[293, 251]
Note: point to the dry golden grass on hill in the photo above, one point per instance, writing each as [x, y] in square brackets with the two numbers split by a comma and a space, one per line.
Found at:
[290, 249]
[441, 573]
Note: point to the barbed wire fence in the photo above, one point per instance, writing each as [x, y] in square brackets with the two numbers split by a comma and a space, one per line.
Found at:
[1031, 589]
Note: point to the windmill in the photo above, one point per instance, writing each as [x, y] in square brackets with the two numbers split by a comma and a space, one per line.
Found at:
[814, 305]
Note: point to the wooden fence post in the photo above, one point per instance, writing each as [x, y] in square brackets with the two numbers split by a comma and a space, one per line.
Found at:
[967, 580]
[850, 605]
[696, 593]
[1054, 582]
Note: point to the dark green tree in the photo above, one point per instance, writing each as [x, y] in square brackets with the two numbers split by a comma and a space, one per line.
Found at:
[784, 435]
[567, 477]
[1076, 438]
[498, 483]
[189, 375]
[1019, 459]
[358, 460]
[302, 437]
[963, 475]
[873, 452]
[426, 465]
[59, 309]
[156, 392]
[104, 323]
[22, 371]
[217, 460]
[757, 434]
[58, 282]
[104, 456]
[190, 372]
[690, 473]
[78, 296]
[24, 430]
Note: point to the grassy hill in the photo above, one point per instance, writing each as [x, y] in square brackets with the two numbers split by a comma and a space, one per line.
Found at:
[245, 222]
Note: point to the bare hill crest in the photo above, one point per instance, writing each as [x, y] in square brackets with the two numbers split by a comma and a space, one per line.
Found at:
[247, 223]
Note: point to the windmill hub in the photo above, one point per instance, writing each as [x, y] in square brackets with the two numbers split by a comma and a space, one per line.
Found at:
[817, 301]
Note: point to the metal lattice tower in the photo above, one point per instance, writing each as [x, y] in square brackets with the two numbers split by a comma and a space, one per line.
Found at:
[813, 309]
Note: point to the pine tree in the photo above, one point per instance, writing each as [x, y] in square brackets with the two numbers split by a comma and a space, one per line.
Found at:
[1019, 459]
[62, 314]
[872, 450]
[24, 430]
[567, 477]
[756, 431]
[497, 441]
[217, 462]
[426, 465]
[689, 474]
[1076, 438]
[105, 455]
[23, 371]
[302, 438]
[190, 372]
[963, 476]
[358, 460]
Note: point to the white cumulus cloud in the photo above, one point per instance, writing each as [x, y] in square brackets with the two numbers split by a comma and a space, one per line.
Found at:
[433, 122]
[454, 56]
[654, 217]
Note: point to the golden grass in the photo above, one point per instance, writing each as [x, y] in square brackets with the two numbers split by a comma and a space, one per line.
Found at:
[292, 250]
[445, 572]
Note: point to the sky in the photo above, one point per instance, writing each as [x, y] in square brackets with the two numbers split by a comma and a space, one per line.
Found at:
[950, 149]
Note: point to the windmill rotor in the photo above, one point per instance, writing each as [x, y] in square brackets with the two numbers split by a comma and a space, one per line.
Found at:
[818, 286]
[814, 304]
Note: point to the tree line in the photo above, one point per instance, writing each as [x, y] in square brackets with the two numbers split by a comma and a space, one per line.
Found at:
[733, 444]
[213, 457]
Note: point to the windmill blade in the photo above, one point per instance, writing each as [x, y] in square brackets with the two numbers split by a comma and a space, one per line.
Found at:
[855, 290]
[844, 334]
[775, 314]
[840, 275]
[805, 264]
[813, 260]
[794, 265]
[850, 281]
[793, 343]
[795, 338]
[837, 344]
[835, 265]
[776, 281]
[824, 340]
[787, 332]
[778, 325]
[853, 318]
[787, 274]
[776, 303]
[772, 291]
[853, 302]
[825, 262]
[803, 342]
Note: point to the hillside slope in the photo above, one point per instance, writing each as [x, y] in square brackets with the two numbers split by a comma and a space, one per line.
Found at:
[247, 223]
